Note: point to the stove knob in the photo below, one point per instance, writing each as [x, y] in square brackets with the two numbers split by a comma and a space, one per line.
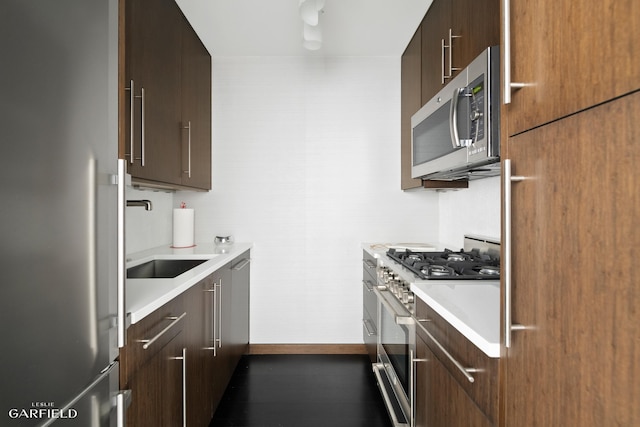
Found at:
[397, 289]
[404, 296]
[410, 297]
[394, 287]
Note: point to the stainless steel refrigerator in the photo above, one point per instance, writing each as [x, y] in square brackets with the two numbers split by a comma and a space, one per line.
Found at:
[61, 287]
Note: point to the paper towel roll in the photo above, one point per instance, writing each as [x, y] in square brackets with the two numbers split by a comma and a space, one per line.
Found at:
[183, 228]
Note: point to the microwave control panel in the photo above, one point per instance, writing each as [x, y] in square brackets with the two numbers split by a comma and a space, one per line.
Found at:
[477, 109]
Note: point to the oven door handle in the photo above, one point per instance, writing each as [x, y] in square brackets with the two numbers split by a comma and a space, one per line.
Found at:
[378, 370]
[400, 315]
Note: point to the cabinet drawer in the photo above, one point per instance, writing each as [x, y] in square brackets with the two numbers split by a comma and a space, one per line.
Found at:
[369, 298]
[369, 264]
[370, 334]
[482, 368]
[152, 332]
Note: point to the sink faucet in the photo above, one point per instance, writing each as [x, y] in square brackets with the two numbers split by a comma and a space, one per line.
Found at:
[143, 203]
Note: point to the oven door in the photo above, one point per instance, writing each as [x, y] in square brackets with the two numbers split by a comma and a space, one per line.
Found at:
[396, 346]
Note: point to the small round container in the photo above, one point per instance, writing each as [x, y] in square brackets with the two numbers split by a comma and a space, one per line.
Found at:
[223, 240]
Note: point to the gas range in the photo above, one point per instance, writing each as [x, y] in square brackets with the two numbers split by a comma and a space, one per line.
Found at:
[448, 264]
[479, 260]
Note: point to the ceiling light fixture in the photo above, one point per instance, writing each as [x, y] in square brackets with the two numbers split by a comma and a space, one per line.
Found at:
[311, 33]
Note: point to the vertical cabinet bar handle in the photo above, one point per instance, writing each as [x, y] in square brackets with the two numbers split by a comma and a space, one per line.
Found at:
[412, 384]
[451, 68]
[131, 119]
[507, 244]
[143, 127]
[188, 171]
[212, 291]
[220, 316]
[506, 31]
[183, 358]
[213, 320]
[442, 75]
[184, 387]
[132, 97]
[450, 47]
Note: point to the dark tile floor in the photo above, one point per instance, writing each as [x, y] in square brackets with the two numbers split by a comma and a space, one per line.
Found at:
[302, 391]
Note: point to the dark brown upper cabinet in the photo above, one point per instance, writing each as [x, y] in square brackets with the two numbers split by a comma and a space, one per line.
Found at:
[570, 57]
[454, 33]
[166, 106]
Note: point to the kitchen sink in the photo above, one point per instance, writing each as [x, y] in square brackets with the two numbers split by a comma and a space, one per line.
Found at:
[162, 268]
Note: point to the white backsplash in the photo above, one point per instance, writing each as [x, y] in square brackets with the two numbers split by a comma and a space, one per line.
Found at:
[148, 229]
[475, 210]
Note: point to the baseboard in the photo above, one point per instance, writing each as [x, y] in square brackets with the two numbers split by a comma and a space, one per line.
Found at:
[307, 349]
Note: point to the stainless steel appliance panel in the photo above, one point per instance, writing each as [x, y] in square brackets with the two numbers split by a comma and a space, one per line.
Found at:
[396, 345]
[58, 221]
[455, 135]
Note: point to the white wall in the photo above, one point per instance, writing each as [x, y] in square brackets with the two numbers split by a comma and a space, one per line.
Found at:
[475, 210]
[306, 165]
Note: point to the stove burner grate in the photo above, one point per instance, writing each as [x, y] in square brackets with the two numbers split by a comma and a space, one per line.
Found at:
[448, 264]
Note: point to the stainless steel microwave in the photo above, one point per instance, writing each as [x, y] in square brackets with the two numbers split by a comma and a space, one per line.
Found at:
[456, 135]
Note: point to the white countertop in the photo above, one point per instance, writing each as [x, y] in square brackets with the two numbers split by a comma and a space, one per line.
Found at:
[144, 296]
[471, 307]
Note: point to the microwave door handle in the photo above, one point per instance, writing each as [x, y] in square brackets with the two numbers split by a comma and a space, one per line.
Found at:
[453, 118]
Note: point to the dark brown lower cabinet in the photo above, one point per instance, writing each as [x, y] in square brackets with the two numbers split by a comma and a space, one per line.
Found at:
[212, 355]
[444, 395]
[217, 336]
[199, 301]
[223, 363]
[155, 374]
[209, 333]
[440, 400]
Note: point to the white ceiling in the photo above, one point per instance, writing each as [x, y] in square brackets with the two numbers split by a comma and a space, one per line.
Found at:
[274, 27]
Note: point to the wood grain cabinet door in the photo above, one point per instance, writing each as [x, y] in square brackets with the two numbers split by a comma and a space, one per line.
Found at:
[575, 288]
[157, 392]
[222, 364]
[153, 43]
[440, 400]
[435, 30]
[454, 33]
[477, 22]
[199, 302]
[196, 111]
[574, 55]
[411, 101]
